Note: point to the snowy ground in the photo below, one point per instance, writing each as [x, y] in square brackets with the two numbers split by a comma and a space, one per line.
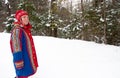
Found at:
[63, 58]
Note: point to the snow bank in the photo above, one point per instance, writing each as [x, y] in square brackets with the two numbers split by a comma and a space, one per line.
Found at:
[63, 58]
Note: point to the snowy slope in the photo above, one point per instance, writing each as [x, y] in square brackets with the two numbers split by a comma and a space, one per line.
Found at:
[63, 58]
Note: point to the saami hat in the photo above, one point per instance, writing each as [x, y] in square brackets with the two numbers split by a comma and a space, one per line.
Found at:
[20, 13]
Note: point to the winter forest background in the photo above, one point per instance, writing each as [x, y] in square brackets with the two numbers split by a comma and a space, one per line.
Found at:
[90, 20]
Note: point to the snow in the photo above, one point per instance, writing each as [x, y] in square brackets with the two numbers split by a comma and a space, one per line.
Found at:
[102, 20]
[6, 1]
[64, 58]
[47, 25]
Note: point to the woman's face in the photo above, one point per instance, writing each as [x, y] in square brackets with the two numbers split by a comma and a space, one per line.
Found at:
[25, 19]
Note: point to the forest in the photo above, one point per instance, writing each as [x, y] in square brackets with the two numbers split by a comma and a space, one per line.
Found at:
[90, 20]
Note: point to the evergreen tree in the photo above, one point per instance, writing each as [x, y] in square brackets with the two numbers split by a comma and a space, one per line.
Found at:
[98, 21]
[0, 5]
[9, 23]
[103, 20]
[113, 24]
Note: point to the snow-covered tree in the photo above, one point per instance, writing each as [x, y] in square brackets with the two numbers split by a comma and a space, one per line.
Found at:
[102, 18]
[9, 23]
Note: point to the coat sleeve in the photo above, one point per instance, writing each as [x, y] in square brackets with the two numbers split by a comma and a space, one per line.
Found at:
[16, 45]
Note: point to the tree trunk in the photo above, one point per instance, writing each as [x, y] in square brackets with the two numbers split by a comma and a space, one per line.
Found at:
[53, 11]
[105, 22]
[82, 21]
[8, 9]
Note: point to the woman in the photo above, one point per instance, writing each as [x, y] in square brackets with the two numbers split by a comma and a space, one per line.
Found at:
[22, 46]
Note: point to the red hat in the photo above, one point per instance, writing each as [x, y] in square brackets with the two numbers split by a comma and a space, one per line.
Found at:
[20, 13]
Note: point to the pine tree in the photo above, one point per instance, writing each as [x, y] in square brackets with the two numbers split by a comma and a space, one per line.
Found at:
[95, 22]
[113, 24]
[103, 21]
[9, 23]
